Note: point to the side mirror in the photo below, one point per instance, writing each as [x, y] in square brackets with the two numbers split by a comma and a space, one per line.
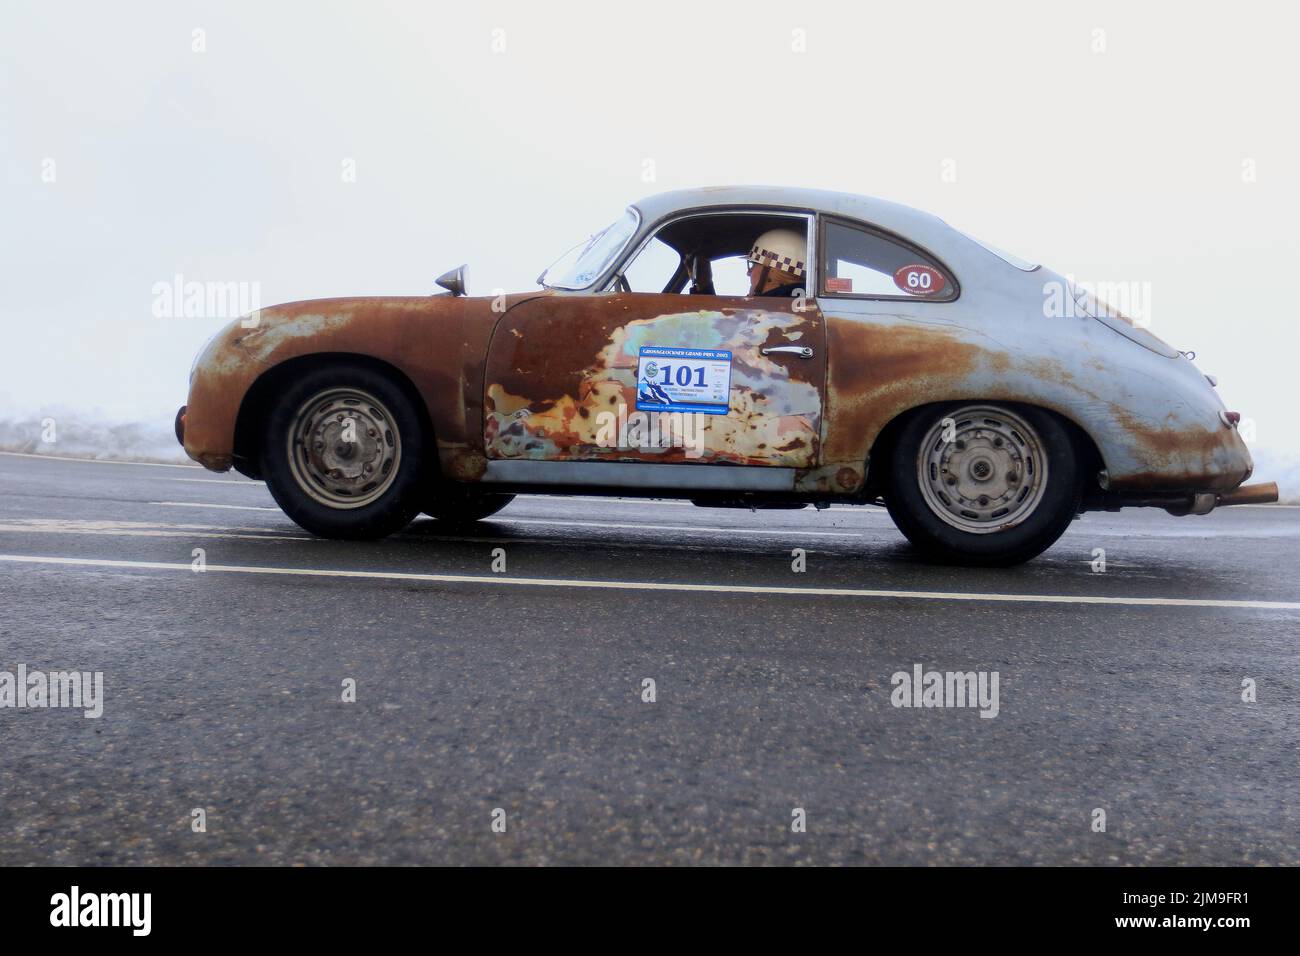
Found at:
[453, 281]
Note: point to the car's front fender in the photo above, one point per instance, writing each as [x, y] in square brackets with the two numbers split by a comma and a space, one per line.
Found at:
[436, 342]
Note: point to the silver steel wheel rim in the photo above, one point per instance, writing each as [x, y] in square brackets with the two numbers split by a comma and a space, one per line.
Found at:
[982, 469]
[344, 465]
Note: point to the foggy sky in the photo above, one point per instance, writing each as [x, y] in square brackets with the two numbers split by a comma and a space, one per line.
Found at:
[500, 134]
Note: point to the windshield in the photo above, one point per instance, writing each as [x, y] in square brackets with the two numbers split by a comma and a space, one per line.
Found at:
[587, 261]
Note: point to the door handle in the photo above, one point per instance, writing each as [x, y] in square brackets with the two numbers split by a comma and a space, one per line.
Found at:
[802, 351]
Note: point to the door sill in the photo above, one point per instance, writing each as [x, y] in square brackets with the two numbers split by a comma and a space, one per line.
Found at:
[635, 474]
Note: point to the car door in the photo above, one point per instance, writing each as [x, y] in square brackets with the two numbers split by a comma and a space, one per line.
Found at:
[875, 291]
[657, 378]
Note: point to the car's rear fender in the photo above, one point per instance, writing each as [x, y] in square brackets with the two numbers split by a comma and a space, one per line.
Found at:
[1154, 420]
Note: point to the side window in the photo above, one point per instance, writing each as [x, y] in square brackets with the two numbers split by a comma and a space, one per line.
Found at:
[857, 261]
[731, 276]
[653, 267]
[707, 254]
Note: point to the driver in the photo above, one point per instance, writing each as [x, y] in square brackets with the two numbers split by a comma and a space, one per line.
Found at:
[776, 264]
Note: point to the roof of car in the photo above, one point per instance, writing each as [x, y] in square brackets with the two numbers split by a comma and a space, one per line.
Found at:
[913, 223]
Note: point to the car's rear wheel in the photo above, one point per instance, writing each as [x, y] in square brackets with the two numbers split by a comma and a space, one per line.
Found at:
[983, 484]
[458, 504]
[344, 453]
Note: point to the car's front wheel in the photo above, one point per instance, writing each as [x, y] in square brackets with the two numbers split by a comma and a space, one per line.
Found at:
[344, 453]
[983, 484]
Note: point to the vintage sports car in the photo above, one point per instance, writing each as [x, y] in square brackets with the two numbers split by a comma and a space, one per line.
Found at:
[738, 347]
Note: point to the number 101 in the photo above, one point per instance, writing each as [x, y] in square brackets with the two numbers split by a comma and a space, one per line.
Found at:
[683, 375]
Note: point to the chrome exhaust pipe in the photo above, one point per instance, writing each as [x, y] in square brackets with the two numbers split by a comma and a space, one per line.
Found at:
[1203, 502]
[1262, 494]
[1195, 503]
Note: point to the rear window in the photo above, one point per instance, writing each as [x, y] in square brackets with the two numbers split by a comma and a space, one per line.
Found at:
[862, 262]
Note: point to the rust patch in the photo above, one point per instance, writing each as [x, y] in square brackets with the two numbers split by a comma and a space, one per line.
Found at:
[1190, 458]
[560, 360]
[560, 370]
[438, 342]
[1177, 457]
[879, 371]
[214, 461]
[876, 372]
[830, 480]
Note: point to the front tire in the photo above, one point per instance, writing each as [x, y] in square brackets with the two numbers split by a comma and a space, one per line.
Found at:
[344, 453]
[983, 484]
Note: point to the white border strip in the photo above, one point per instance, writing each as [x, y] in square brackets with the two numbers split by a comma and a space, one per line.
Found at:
[656, 586]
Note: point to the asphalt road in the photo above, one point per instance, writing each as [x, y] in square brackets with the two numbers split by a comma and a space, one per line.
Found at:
[477, 691]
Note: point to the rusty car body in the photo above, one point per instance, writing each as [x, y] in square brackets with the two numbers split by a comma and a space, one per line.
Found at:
[945, 402]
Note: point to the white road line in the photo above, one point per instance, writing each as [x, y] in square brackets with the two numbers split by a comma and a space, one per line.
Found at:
[165, 530]
[565, 523]
[612, 499]
[114, 529]
[674, 527]
[97, 461]
[200, 504]
[632, 502]
[217, 481]
[655, 586]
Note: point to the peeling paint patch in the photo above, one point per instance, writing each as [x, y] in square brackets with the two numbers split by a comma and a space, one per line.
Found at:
[546, 391]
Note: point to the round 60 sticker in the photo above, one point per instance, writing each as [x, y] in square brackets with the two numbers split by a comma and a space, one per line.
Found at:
[919, 279]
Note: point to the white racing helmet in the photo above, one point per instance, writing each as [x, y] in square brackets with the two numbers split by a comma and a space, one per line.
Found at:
[782, 249]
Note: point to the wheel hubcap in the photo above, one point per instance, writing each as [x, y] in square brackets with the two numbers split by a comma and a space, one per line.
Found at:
[344, 448]
[982, 469]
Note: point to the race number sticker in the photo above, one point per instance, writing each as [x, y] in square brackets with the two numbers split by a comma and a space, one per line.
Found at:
[683, 380]
[919, 280]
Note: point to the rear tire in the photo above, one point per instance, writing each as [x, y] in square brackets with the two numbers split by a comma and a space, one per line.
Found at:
[983, 483]
[458, 504]
[339, 480]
